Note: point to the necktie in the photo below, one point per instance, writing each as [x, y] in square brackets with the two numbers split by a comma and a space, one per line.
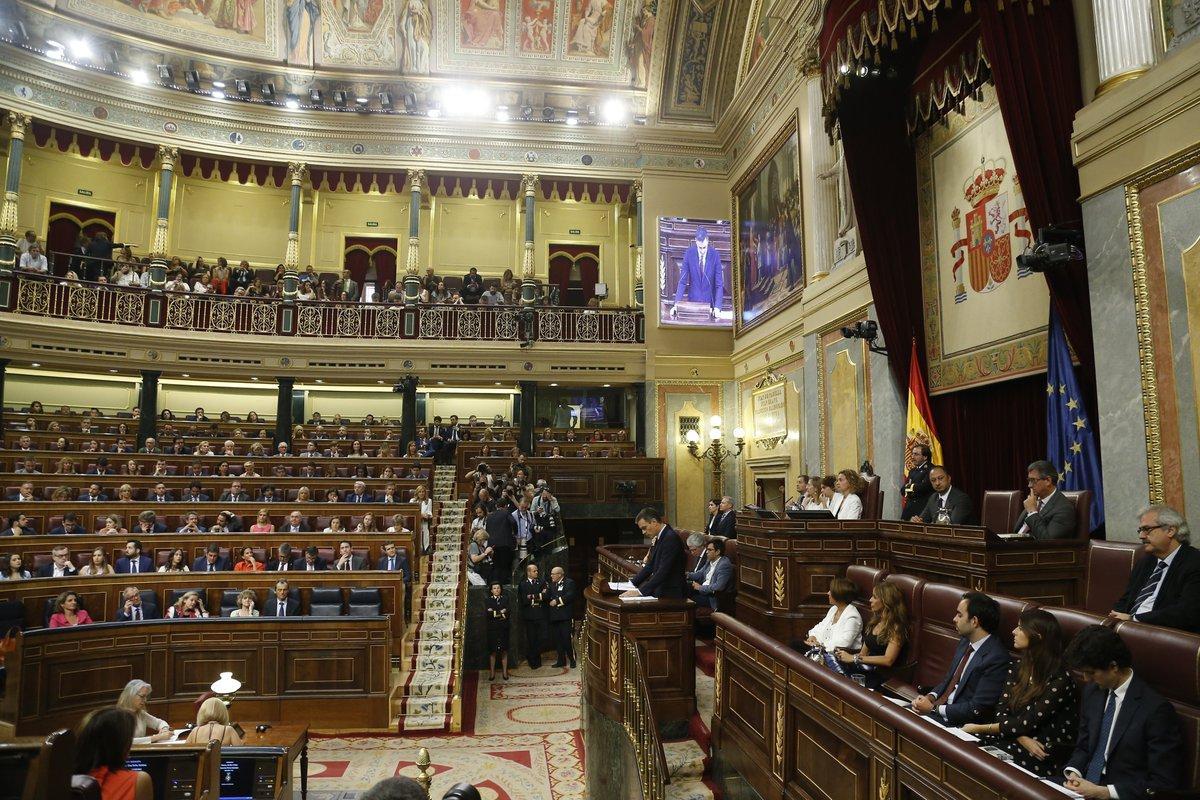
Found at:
[1040, 503]
[1150, 586]
[210, 567]
[135, 564]
[282, 609]
[1095, 765]
[137, 614]
[941, 502]
[953, 684]
[391, 564]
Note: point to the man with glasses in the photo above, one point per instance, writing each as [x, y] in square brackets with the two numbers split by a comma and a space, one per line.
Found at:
[1164, 588]
[714, 577]
[1048, 514]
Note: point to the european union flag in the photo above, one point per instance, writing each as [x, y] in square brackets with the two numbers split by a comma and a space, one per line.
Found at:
[1072, 439]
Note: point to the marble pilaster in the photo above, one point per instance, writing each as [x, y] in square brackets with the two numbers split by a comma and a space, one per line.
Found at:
[1124, 40]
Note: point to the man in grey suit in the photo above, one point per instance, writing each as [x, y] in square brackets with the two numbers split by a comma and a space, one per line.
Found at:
[948, 504]
[347, 286]
[706, 583]
[1048, 514]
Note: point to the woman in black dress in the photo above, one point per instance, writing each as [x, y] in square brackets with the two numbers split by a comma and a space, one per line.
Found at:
[1037, 717]
[883, 638]
[497, 630]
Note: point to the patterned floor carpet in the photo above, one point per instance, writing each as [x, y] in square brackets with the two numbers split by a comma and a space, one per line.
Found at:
[523, 744]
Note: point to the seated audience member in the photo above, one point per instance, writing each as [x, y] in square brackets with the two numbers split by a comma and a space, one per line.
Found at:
[841, 629]
[60, 565]
[847, 503]
[394, 560]
[312, 561]
[212, 720]
[714, 577]
[234, 494]
[1037, 717]
[69, 526]
[883, 639]
[13, 568]
[151, 446]
[296, 523]
[335, 525]
[124, 493]
[147, 522]
[212, 560]
[19, 526]
[1048, 514]
[24, 493]
[280, 604]
[360, 494]
[282, 561]
[796, 501]
[1130, 742]
[188, 606]
[98, 565]
[67, 612]
[246, 602]
[1164, 588]
[160, 494]
[102, 746]
[28, 467]
[346, 560]
[368, 524]
[133, 562]
[132, 609]
[332, 496]
[147, 728]
[191, 523]
[176, 562]
[397, 525]
[248, 562]
[948, 504]
[263, 522]
[975, 679]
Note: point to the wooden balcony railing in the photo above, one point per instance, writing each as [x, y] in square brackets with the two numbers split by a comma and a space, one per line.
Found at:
[640, 725]
[211, 313]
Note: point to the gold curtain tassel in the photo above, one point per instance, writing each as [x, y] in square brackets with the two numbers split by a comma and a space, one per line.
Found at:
[1029, 7]
[912, 31]
[1000, 5]
[894, 46]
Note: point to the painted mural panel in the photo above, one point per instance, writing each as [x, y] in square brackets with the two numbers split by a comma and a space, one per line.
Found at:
[590, 28]
[300, 21]
[481, 24]
[986, 319]
[770, 248]
[693, 63]
[416, 37]
[1179, 21]
[358, 33]
[640, 47]
[244, 27]
[767, 21]
[537, 27]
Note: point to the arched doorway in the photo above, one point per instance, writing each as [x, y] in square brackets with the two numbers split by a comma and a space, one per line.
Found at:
[65, 224]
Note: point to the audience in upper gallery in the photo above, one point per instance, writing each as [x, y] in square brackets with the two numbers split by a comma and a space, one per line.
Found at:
[1164, 588]
[714, 577]
[970, 695]
[103, 743]
[68, 611]
[841, 628]
[947, 505]
[14, 568]
[147, 728]
[189, 606]
[1036, 718]
[1047, 514]
[1130, 743]
[884, 638]
[212, 720]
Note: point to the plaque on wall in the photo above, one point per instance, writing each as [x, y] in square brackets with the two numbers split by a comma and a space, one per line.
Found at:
[769, 402]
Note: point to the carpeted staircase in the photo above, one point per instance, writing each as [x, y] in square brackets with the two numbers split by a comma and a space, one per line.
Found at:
[423, 701]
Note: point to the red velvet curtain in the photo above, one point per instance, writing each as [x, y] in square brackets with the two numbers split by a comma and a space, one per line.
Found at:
[363, 252]
[562, 258]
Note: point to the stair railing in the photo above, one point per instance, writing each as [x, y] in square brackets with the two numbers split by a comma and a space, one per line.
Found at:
[640, 725]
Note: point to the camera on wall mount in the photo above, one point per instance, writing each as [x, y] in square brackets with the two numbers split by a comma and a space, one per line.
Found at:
[868, 331]
[1056, 246]
[406, 384]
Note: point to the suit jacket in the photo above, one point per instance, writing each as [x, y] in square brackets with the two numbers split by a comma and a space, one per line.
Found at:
[724, 524]
[200, 498]
[365, 497]
[501, 528]
[47, 570]
[157, 527]
[229, 497]
[1178, 602]
[220, 565]
[273, 565]
[721, 579]
[400, 564]
[1056, 520]
[566, 592]
[1146, 746]
[980, 686]
[59, 530]
[958, 504]
[166, 498]
[702, 283]
[148, 612]
[356, 563]
[271, 607]
[529, 611]
[301, 528]
[350, 287]
[662, 576]
[124, 565]
[916, 491]
[318, 566]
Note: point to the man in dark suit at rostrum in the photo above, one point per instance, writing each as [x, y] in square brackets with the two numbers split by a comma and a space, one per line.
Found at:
[725, 519]
[946, 501]
[1130, 744]
[212, 560]
[501, 531]
[1048, 514]
[531, 595]
[1164, 588]
[394, 560]
[917, 487]
[280, 604]
[560, 605]
[662, 576]
[700, 276]
[975, 680]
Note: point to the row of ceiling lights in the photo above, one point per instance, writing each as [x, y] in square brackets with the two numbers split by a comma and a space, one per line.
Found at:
[453, 101]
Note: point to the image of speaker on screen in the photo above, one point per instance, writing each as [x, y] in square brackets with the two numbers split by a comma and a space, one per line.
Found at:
[694, 278]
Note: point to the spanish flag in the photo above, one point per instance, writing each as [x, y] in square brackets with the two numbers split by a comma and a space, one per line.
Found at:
[919, 427]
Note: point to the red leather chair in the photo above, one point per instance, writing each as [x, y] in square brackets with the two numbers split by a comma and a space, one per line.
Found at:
[1109, 565]
[872, 499]
[1000, 511]
[936, 636]
[1082, 500]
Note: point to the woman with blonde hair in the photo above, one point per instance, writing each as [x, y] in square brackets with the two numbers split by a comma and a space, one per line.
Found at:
[263, 524]
[125, 493]
[883, 638]
[421, 497]
[147, 728]
[212, 722]
[188, 606]
[245, 604]
[61, 494]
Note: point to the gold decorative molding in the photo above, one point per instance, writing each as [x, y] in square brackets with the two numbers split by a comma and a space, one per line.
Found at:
[168, 157]
[158, 244]
[1120, 78]
[527, 262]
[780, 718]
[8, 214]
[18, 124]
[412, 260]
[529, 184]
[416, 180]
[614, 662]
[780, 584]
[291, 256]
[297, 171]
[718, 673]
[885, 787]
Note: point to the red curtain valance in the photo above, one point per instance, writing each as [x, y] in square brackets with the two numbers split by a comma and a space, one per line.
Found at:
[498, 188]
[343, 180]
[64, 139]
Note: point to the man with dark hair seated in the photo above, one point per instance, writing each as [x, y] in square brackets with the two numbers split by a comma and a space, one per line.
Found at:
[69, 525]
[312, 561]
[975, 681]
[212, 560]
[1130, 743]
[713, 577]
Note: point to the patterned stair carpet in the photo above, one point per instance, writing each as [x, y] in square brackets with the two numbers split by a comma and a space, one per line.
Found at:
[423, 701]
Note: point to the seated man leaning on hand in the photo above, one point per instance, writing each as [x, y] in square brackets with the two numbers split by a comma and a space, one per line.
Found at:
[975, 680]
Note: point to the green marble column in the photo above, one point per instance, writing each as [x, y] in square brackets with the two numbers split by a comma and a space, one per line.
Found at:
[412, 263]
[529, 288]
[19, 123]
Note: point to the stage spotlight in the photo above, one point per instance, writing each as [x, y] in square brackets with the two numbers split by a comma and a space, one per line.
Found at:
[385, 101]
[292, 102]
[410, 102]
[218, 84]
[268, 91]
[314, 96]
[166, 74]
[339, 98]
[572, 117]
[81, 50]
[54, 50]
[548, 113]
[526, 112]
[362, 101]
[844, 69]
[614, 111]
[502, 114]
[460, 101]
[139, 76]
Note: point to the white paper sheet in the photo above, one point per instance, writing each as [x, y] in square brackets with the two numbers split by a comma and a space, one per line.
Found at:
[620, 586]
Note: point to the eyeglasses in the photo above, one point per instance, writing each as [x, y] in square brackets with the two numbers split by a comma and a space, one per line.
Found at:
[1147, 528]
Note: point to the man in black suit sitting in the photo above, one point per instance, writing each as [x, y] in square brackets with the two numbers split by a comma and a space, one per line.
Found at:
[662, 576]
[133, 609]
[147, 523]
[725, 519]
[280, 604]
[283, 559]
[1130, 743]
[311, 562]
[160, 494]
[360, 494]
[295, 523]
[975, 680]
[948, 504]
[69, 526]
[60, 565]
[133, 562]
[1047, 514]
[212, 560]
[394, 560]
[94, 494]
[1164, 588]
[196, 493]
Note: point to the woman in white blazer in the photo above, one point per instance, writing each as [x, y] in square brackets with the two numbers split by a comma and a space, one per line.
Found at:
[842, 626]
[847, 504]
